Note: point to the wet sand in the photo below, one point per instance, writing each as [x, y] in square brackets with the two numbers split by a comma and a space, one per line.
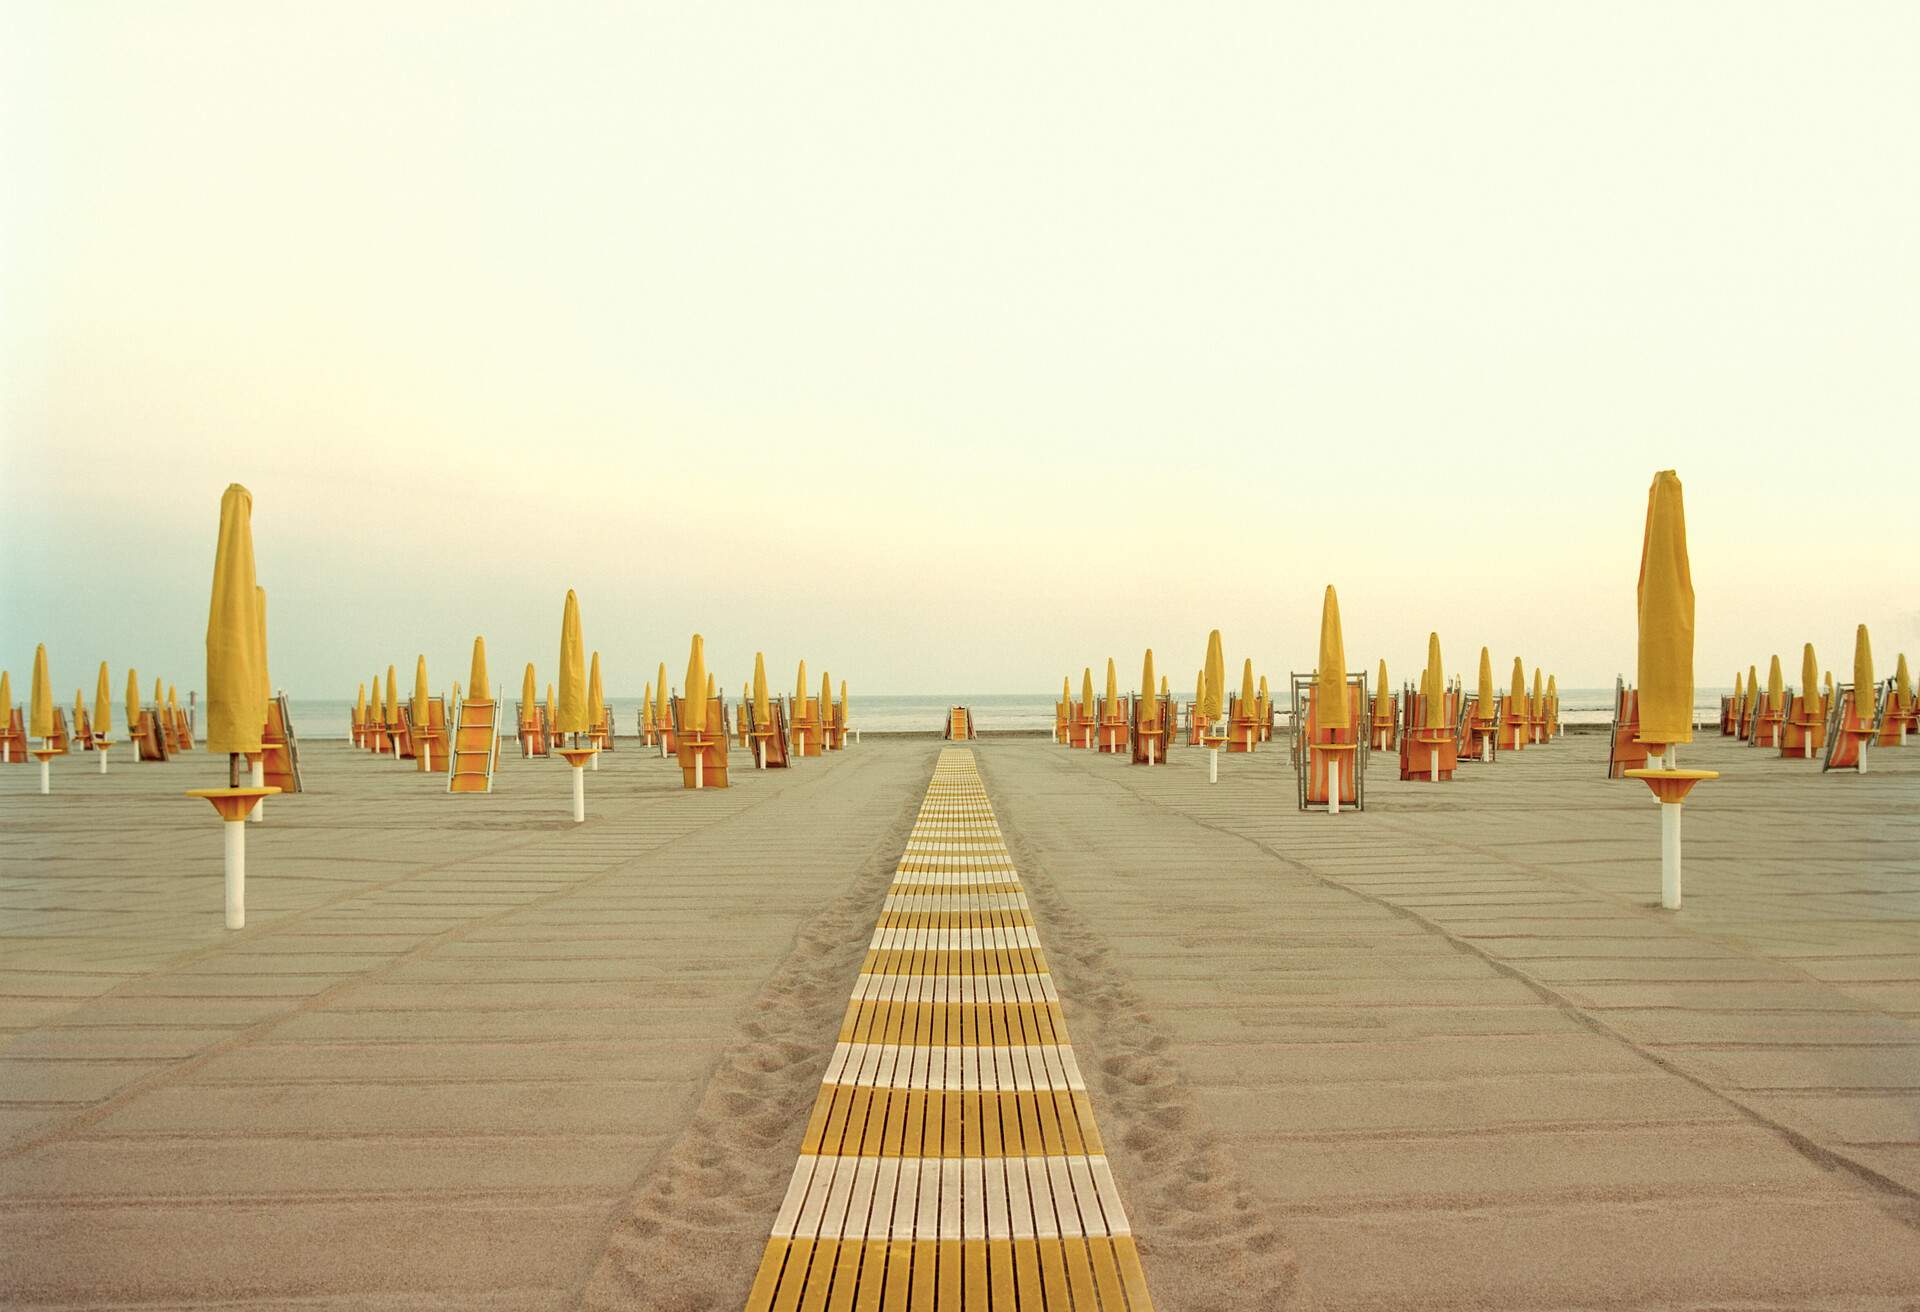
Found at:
[1448, 1053]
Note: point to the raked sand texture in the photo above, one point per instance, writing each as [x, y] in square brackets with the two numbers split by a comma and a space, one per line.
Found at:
[466, 1054]
[951, 1160]
[1454, 1052]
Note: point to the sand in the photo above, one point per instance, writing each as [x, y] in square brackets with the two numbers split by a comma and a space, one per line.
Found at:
[1444, 1054]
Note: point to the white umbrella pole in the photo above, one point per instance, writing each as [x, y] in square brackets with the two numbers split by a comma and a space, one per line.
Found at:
[103, 760]
[699, 769]
[46, 776]
[763, 753]
[1213, 765]
[1670, 855]
[1333, 786]
[259, 781]
[579, 794]
[236, 871]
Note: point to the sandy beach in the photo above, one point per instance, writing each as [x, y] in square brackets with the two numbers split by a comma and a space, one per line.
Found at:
[1448, 1053]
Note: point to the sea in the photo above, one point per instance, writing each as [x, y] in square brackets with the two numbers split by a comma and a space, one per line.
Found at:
[317, 718]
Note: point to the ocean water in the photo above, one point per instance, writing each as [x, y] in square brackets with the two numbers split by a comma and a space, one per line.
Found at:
[317, 718]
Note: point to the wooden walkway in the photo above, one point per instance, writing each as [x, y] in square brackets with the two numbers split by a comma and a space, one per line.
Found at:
[952, 1161]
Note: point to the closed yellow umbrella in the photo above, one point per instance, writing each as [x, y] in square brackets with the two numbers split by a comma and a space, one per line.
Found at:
[1517, 694]
[1199, 692]
[1150, 705]
[1214, 681]
[1484, 694]
[6, 699]
[40, 707]
[712, 691]
[573, 670]
[646, 706]
[1863, 682]
[1331, 678]
[421, 693]
[1776, 688]
[360, 705]
[133, 701]
[826, 698]
[596, 695]
[1665, 595]
[1538, 704]
[1261, 703]
[1246, 687]
[550, 718]
[662, 700]
[1435, 686]
[1826, 688]
[845, 713]
[1753, 688]
[102, 704]
[1902, 684]
[1086, 692]
[393, 698]
[762, 703]
[376, 713]
[477, 673]
[236, 710]
[1739, 697]
[1163, 685]
[529, 691]
[1382, 705]
[1809, 679]
[1066, 695]
[1553, 703]
[159, 695]
[79, 709]
[693, 713]
[800, 690]
[1113, 688]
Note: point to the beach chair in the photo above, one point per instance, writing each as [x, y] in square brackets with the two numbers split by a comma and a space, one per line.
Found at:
[432, 754]
[530, 728]
[1625, 751]
[1512, 721]
[279, 749]
[1729, 716]
[1803, 734]
[601, 734]
[959, 724]
[1116, 725]
[1896, 721]
[82, 730]
[1850, 728]
[770, 737]
[62, 741]
[169, 729]
[1429, 754]
[13, 738]
[149, 743]
[183, 727]
[1243, 724]
[808, 738]
[1479, 730]
[1384, 735]
[475, 751]
[1149, 746]
[1084, 729]
[1765, 725]
[1318, 747]
[702, 756]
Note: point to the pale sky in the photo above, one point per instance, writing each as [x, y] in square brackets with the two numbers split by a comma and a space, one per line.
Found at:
[955, 347]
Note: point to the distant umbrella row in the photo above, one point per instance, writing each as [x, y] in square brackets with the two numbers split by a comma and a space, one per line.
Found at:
[1818, 720]
[157, 730]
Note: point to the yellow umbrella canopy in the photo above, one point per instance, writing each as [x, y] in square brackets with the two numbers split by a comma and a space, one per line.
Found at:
[1086, 691]
[1489, 708]
[1538, 705]
[1066, 694]
[1246, 687]
[1517, 694]
[1753, 686]
[173, 702]
[1863, 681]
[1330, 680]
[1113, 687]
[1902, 683]
[393, 697]
[1776, 688]
[573, 670]
[712, 691]
[40, 708]
[376, 713]
[1809, 678]
[236, 709]
[1553, 697]
[477, 675]
[762, 703]
[102, 703]
[662, 698]
[6, 699]
[79, 707]
[1739, 697]
[529, 690]
[1261, 702]
[1214, 679]
[693, 710]
[159, 697]
[266, 680]
[1434, 684]
[1382, 707]
[646, 706]
[843, 701]
[360, 704]
[550, 720]
[800, 689]
[421, 693]
[133, 699]
[1150, 706]
[596, 695]
[1163, 685]
[1666, 617]
[826, 696]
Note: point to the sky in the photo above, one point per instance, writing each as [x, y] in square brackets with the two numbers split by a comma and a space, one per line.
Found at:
[953, 348]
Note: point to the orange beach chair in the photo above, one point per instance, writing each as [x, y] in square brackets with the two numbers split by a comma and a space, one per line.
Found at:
[1429, 754]
[709, 746]
[1149, 745]
[1803, 733]
[1852, 724]
[476, 747]
[13, 737]
[1625, 751]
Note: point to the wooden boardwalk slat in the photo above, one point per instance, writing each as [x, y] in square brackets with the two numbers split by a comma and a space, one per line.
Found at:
[951, 1161]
